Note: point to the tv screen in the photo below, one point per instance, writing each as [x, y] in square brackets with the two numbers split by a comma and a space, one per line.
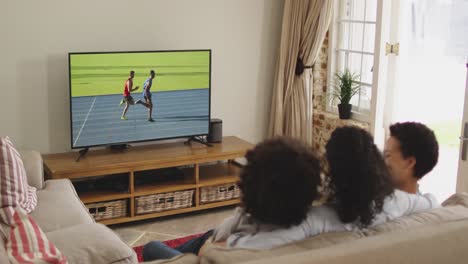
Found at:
[122, 97]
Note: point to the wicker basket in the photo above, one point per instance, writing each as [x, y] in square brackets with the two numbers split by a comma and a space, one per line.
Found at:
[219, 193]
[163, 202]
[108, 210]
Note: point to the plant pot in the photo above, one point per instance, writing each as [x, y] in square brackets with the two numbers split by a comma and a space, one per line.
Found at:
[345, 111]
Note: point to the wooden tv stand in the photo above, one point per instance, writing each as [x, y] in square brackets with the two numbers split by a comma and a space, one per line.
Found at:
[203, 167]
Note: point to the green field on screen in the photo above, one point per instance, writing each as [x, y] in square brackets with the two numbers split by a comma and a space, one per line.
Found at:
[104, 74]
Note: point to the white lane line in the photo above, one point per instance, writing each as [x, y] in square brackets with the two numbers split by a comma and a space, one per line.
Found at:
[86, 119]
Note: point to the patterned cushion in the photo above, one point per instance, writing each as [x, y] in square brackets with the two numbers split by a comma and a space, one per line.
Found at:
[25, 241]
[14, 188]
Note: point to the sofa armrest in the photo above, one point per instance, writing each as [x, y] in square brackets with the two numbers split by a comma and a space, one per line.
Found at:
[34, 168]
[92, 243]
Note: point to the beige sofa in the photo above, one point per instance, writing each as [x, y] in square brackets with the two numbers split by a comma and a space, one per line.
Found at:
[67, 223]
[435, 236]
[447, 244]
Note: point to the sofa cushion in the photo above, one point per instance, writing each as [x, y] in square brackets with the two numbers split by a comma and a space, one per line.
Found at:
[455, 208]
[59, 207]
[34, 168]
[25, 241]
[214, 254]
[92, 243]
[436, 243]
[14, 188]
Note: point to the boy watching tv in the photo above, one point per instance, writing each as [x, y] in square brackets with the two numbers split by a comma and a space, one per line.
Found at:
[410, 153]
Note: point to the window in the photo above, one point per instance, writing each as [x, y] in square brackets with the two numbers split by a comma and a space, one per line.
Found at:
[352, 46]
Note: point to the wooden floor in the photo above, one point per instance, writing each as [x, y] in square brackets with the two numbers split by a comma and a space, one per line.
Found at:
[171, 227]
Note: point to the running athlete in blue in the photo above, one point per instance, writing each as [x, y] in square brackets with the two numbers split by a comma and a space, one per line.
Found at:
[147, 94]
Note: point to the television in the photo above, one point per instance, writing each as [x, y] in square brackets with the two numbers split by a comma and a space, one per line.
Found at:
[126, 97]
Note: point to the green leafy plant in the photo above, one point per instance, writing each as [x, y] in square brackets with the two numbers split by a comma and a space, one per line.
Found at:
[346, 86]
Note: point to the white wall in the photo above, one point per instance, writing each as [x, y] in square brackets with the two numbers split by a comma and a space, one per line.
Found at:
[35, 37]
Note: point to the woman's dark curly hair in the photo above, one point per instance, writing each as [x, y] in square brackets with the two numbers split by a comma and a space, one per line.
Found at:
[280, 181]
[359, 180]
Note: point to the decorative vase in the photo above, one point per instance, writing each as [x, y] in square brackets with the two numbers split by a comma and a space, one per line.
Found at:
[345, 111]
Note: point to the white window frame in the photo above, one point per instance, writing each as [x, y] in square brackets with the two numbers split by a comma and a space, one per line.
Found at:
[332, 49]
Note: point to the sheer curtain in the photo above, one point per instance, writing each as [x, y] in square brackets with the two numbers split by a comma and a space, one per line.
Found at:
[305, 24]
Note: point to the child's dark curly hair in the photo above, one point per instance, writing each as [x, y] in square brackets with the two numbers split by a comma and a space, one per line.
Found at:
[359, 180]
[280, 181]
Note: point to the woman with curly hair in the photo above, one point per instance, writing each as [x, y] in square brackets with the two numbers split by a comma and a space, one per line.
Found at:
[360, 185]
[361, 192]
[278, 185]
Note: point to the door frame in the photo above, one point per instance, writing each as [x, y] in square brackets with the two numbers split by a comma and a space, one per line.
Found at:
[462, 181]
[378, 126]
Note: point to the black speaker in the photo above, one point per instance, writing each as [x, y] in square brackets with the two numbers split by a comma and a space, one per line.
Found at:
[215, 134]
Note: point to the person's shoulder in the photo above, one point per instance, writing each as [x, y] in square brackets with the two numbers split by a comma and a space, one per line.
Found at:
[431, 197]
[427, 198]
[396, 199]
[323, 212]
[399, 195]
[322, 219]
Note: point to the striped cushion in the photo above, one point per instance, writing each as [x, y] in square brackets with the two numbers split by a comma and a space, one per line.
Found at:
[14, 188]
[25, 241]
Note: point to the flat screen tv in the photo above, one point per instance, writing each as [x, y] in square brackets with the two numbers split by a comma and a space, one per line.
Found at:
[124, 97]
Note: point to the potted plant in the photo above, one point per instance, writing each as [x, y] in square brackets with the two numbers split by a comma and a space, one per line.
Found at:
[347, 86]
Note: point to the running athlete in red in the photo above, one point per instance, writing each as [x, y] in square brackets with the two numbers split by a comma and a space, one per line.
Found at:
[127, 98]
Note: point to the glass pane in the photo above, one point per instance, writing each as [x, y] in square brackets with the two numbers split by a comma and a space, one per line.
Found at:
[355, 102]
[432, 76]
[352, 9]
[366, 95]
[351, 37]
[369, 40]
[341, 61]
[354, 63]
[357, 9]
[371, 10]
[343, 35]
[367, 69]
